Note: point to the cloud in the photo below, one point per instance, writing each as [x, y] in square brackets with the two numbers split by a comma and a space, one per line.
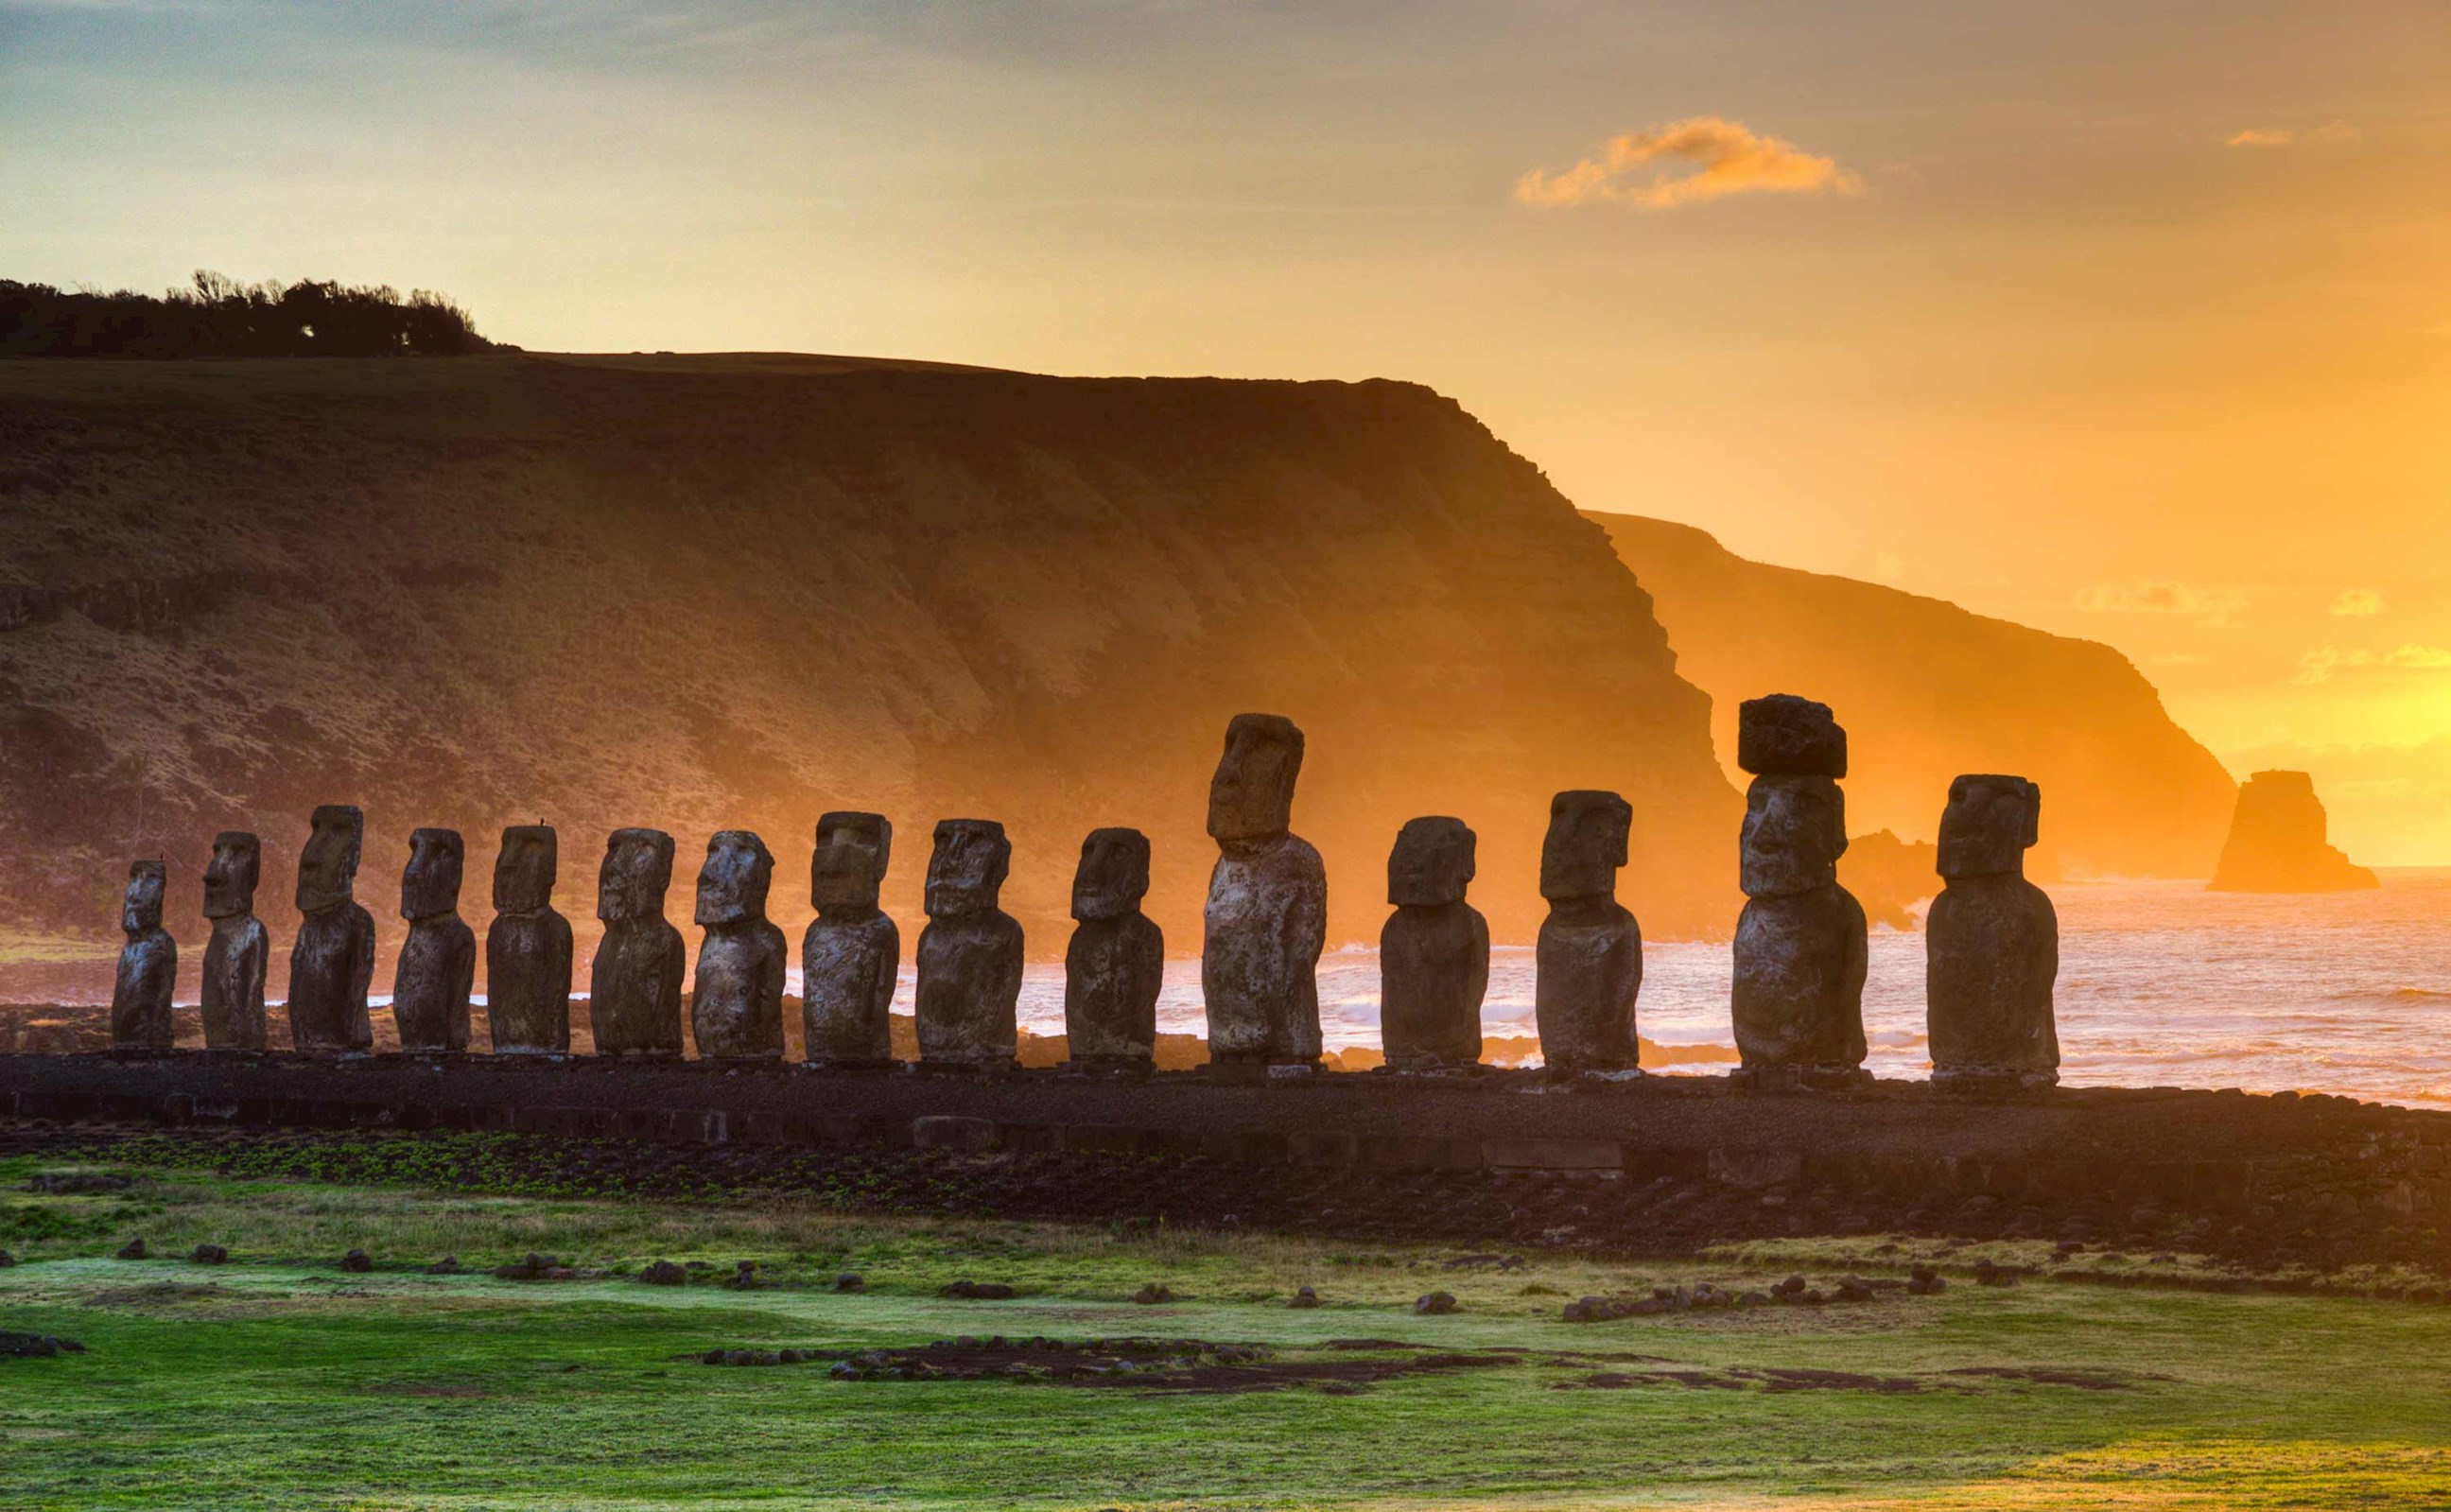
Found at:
[2337, 133]
[1687, 162]
[2358, 603]
[2417, 656]
[2318, 664]
[2158, 597]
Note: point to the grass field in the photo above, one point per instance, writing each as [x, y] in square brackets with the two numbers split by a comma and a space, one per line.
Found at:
[278, 1381]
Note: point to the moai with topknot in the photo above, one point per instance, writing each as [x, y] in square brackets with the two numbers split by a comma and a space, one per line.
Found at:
[635, 984]
[528, 950]
[1800, 949]
[853, 951]
[737, 1007]
[235, 957]
[149, 965]
[333, 962]
[1991, 942]
[1116, 963]
[970, 953]
[437, 961]
[1433, 950]
[1589, 962]
[1267, 918]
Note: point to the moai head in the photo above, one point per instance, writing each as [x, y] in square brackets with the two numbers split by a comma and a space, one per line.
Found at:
[637, 871]
[966, 873]
[1989, 822]
[140, 911]
[732, 886]
[848, 870]
[1795, 830]
[1431, 864]
[524, 871]
[1586, 844]
[430, 886]
[1252, 797]
[1114, 875]
[229, 876]
[327, 870]
[1787, 737]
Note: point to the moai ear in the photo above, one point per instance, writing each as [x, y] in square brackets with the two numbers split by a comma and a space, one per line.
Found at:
[2034, 814]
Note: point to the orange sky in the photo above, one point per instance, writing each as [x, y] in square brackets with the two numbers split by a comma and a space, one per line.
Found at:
[2128, 321]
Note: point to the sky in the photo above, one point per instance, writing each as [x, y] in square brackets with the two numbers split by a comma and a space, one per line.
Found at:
[2128, 321]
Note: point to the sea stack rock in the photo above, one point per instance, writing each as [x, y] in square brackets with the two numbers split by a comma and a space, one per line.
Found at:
[1800, 949]
[736, 1009]
[970, 953]
[237, 955]
[333, 962]
[437, 961]
[1433, 950]
[1267, 918]
[853, 951]
[1116, 963]
[1991, 943]
[634, 985]
[1589, 955]
[528, 947]
[148, 964]
[2280, 841]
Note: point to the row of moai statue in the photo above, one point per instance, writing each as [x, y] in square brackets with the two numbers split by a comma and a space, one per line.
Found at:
[1801, 945]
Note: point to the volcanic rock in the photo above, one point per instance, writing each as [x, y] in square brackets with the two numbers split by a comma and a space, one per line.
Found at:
[2279, 842]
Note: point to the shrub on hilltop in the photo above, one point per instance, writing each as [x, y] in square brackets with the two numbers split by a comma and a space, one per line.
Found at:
[220, 317]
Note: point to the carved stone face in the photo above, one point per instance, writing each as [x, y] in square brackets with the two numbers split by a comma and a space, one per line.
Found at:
[849, 867]
[732, 886]
[524, 872]
[1795, 830]
[1431, 864]
[140, 912]
[1585, 845]
[637, 871]
[327, 870]
[429, 888]
[230, 876]
[966, 873]
[1989, 822]
[1783, 735]
[1114, 875]
[1252, 797]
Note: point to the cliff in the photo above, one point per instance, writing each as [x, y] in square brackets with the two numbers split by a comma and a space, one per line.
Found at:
[1928, 690]
[2279, 842]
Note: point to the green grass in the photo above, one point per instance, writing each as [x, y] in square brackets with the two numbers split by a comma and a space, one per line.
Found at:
[279, 1382]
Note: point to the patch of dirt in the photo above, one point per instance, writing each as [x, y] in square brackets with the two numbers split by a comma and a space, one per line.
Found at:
[155, 1294]
[1193, 1367]
[1742, 1377]
[2082, 1377]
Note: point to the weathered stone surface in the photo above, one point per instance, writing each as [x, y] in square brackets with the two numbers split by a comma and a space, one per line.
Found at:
[2279, 842]
[148, 964]
[528, 948]
[1798, 1000]
[1433, 950]
[853, 951]
[1267, 917]
[1992, 941]
[634, 983]
[1783, 735]
[1116, 965]
[1589, 959]
[236, 956]
[1795, 832]
[737, 1010]
[970, 952]
[437, 961]
[333, 962]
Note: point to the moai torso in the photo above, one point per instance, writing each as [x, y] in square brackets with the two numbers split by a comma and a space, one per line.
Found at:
[437, 961]
[634, 985]
[1267, 918]
[333, 962]
[528, 947]
[853, 951]
[1992, 941]
[149, 965]
[970, 953]
[236, 956]
[1433, 950]
[1589, 961]
[1116, 965]
[1800, 949]
[737, 1006]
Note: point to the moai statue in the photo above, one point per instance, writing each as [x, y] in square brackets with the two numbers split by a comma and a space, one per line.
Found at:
[1267, 919]
[1589, 963]
[737, 1008]
[528, 948]
[970, 953]
[437, 961]
[1433, 950]
[333, 962]
[1801, 952]
[1991, 943]
[236, 956]
[634, 986]
[148, 964]
[1116, 963]
[853, 951]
